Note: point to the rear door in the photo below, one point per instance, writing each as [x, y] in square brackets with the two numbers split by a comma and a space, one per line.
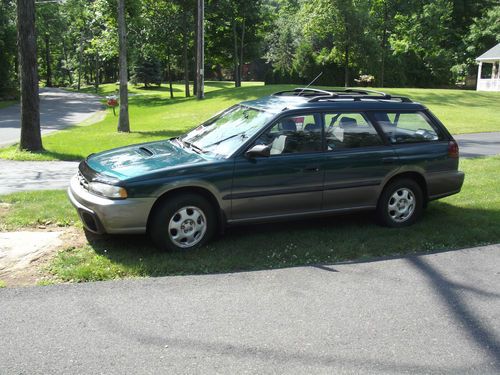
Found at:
[356, 162]
[420, 144]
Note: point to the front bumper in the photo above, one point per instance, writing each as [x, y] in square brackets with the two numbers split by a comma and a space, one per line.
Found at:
[102, 215]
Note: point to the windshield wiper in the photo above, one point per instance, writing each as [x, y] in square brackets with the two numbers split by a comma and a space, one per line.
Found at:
[225, 139]
[191, 145]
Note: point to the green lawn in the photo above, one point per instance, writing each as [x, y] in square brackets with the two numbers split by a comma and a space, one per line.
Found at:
[468, 219]
[7, 103]
[154, 116]
[35, 208]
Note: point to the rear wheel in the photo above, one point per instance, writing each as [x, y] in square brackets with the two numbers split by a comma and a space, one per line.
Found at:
[183, 222]
[400, 204]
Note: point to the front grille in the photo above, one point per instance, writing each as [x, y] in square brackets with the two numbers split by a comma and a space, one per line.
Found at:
[83, 181]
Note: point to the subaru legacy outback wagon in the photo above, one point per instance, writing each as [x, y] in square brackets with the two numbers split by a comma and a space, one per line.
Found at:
[298, 153]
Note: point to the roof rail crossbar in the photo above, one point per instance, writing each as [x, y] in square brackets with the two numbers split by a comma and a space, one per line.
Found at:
[359, 98]
[366, 92]
[316, 95]
[305, 92]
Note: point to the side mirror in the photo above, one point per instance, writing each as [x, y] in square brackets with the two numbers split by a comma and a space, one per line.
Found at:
[258, 150]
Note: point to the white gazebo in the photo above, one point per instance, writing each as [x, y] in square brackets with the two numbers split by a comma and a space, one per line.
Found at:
[489, 81]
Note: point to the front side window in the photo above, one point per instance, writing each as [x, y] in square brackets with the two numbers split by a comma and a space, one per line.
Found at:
[293, 134]
[406, 127]
[349, 130]
[225, 133]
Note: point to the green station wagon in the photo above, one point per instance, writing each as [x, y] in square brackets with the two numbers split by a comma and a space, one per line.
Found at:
[294, 154]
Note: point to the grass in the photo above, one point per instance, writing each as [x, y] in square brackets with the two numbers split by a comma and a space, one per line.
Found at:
[154, 116]
[2, 284]
[7, 103]
[36, 208]
[470, 218]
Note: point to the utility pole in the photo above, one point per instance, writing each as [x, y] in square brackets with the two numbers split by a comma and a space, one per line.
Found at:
[31, 138]
[200, 56]
[123, 120]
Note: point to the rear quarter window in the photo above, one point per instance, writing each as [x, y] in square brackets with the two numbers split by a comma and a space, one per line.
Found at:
[407, 127]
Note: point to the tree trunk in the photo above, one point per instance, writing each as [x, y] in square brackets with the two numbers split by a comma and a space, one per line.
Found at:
[186, 63]
[346, 68]
[31, 139]
[200, 46]
[195, 66]
[123, 120]
[96, 78]
[241, 50]
[48, 81]
[384, 47]
[237, 81]
[65, 53]
[169, 73]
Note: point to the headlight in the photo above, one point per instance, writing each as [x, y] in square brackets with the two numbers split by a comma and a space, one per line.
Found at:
[108, 191]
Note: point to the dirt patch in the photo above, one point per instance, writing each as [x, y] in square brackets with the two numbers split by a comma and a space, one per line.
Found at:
[27, 265]
[4, 208]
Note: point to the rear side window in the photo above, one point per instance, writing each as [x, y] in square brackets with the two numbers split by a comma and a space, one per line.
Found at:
[349, 130]
[407, 127]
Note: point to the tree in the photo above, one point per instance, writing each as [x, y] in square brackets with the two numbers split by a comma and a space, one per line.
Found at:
[123, 119]
[8, 50]
[31, 139]
[484, 32]
[161, 22]
[147, 71]
[341, 24]
[200, 49]
[425, 36]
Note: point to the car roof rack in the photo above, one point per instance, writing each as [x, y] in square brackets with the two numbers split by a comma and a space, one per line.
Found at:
[317, 95]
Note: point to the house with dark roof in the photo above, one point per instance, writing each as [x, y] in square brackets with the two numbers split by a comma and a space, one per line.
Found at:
[488, 76]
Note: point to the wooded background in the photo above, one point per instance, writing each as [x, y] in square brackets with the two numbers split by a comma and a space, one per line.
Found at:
[411, 43]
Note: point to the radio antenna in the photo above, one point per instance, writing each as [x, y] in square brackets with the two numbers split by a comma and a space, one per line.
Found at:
[314, 80]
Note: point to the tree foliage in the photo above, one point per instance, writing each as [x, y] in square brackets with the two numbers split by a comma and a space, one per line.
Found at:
[399, 42]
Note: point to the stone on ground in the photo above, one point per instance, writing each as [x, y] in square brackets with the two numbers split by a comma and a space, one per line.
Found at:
[19, 249]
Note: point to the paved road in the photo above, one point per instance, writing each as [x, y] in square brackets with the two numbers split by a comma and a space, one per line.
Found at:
[478, 144]
[18, 176]
[58, 109]
[22, 176]
[433, 314]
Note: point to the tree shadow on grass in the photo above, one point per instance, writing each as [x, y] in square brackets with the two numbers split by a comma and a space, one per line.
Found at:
[166, 134]
[307, 242]
[64, 156]
[158, 88]
[155, 100]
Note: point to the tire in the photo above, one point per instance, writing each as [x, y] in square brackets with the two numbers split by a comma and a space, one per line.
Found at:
[400, 204]
[182, 222]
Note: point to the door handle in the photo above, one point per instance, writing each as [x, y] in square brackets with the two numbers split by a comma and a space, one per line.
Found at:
[311, 169]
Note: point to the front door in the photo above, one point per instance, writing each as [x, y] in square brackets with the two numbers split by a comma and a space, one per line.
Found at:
[290, 180]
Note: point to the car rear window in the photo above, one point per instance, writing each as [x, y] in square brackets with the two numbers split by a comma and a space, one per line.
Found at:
[407, 127]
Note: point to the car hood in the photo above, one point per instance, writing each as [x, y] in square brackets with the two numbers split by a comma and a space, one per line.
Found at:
[132, 161]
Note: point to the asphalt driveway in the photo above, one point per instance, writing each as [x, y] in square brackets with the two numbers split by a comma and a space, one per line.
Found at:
[432, 314]
[58, 110]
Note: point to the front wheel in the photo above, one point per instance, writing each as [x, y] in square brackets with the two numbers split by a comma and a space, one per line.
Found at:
[183, 222]
[400, 204]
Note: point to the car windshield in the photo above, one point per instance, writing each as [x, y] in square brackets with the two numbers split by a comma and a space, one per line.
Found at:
[225, 133]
